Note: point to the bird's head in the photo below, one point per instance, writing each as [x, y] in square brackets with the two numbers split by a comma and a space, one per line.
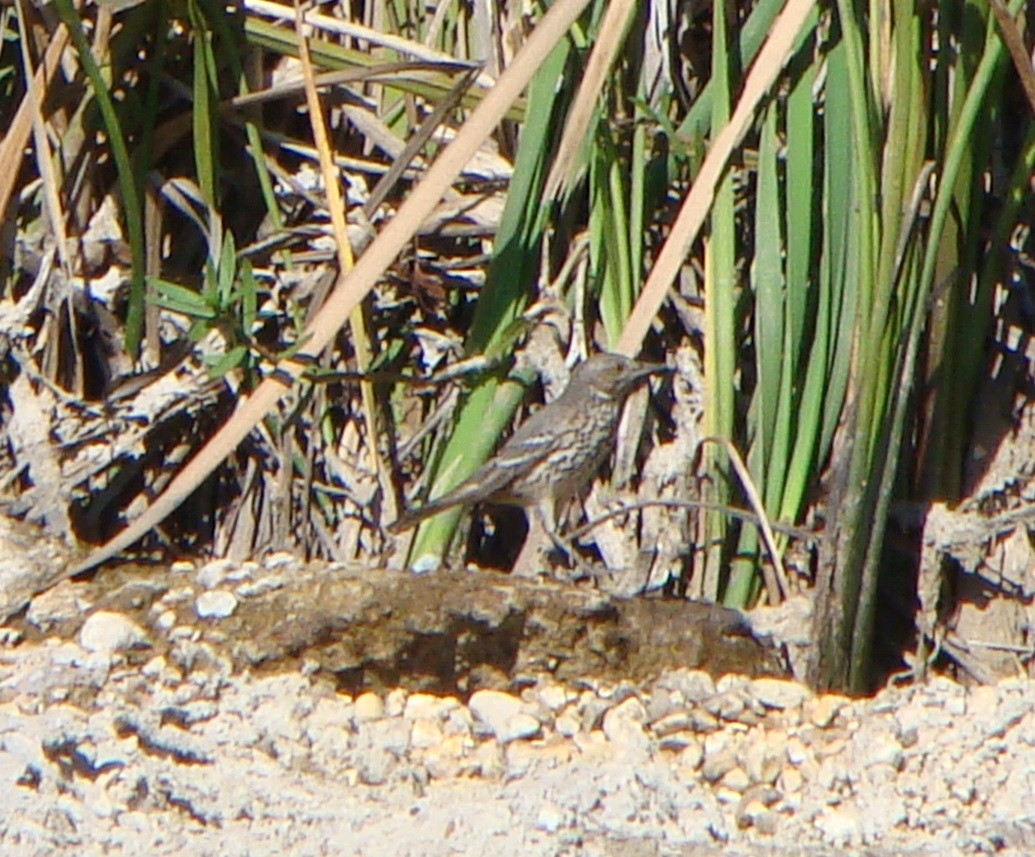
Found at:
[612, 375]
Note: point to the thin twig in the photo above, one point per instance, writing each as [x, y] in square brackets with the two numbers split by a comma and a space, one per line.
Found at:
[697, 505]
[779, 589]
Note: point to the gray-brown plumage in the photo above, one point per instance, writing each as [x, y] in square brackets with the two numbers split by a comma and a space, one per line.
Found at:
[557, 450]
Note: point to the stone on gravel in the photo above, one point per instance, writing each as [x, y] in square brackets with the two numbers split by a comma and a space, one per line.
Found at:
[215, 572]
[567, 725]
[425, 734]
[369, 706]
[108, 633]
[550, 819]
[841, 826]
[215, 604]
[779, 694]
[503, 715]
[823, 710]
[554, 696]
[424, 706]
[623, 726]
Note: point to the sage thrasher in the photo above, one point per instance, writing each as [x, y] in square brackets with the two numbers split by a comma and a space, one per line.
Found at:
[556, 451]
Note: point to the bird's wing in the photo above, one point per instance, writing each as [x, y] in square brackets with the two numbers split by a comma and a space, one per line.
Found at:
[530, 444]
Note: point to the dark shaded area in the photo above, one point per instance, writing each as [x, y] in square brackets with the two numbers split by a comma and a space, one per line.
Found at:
[449, 632]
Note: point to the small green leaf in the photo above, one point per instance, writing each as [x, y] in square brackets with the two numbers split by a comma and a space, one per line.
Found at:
[227, 271]
[181, 299]
[231, 360]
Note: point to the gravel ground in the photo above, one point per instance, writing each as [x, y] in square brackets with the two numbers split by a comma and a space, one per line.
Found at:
[182, 756]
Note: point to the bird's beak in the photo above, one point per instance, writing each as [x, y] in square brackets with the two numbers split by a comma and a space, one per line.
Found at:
[641, 369]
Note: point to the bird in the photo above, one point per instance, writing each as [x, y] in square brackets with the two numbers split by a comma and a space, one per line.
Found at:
[556, 451]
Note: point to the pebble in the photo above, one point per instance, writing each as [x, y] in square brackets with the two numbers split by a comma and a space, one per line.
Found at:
[566, 725]
[693, 685]
[840, 826]
[166, 620]
[281, 561]
[763, 759]
[717, 764]
[880, 750]
[425, 734]
[422, 705]
[674, 721]
[395, 702]
[823, 710]
[368, 706]
[504, 715]
[215, 604]
[677, 741]
[554, 697]
[779, 694]
[549, 819]
[107, 633]
[215, 572]
[736, 779]
[623, 726]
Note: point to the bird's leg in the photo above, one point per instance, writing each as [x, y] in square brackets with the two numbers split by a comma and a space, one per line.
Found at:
[532, 560]
[542, 535]
[546, 512]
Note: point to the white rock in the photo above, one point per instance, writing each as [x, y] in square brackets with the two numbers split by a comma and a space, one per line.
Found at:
[623, 726]
[690, 758]
[213, 573]
[154, 667]
[824, 709]
[503, 715]
[736, 780]
[165, 620]
[879, 750]
[841, 826]
[676, 721]
[217, 604]
[425, 734]
[779, 693]
[567, 725]
[423, 705]
[369, 707]
[694, 685]
[395, 702]
[732, 682]
[629, 709]
[555, 697]
[716, 765]
[676, 742]
[761, 758]
[550, 819]
[282, 560]
[266, 583]
[111, 632]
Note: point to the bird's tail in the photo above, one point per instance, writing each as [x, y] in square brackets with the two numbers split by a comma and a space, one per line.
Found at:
[411, 517]
[466, 492]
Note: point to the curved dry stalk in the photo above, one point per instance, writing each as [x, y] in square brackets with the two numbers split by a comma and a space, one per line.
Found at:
[779, 588]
